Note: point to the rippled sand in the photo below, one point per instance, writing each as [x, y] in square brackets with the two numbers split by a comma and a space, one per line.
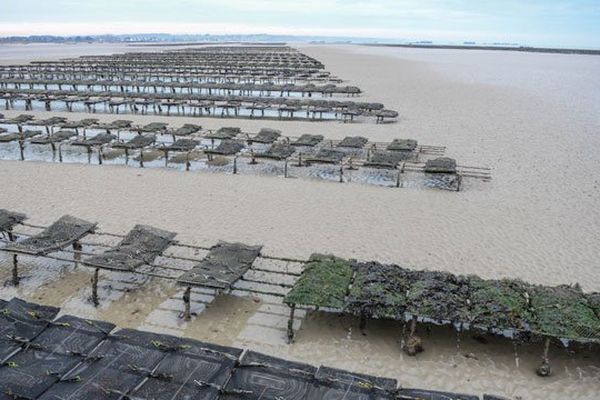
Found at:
[533, 118]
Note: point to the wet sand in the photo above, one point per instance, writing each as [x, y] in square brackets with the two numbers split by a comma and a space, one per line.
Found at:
[537, 220]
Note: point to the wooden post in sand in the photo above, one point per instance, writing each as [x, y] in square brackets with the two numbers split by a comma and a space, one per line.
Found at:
[545, 369]
[89, 154]
[413, 345]
[290, 325]
[22, 147]
[15, 269]
[285, 169]
[458, 182]
[187, 312]
[362, 325]
[95, 288]
[142, 157]
[77, 247]
[458, 336]
[235, 164]
[100, 155]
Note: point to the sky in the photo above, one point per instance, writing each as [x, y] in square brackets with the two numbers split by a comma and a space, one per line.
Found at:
[528, 22]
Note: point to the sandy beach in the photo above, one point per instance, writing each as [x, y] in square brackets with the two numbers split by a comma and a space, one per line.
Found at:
[532, 118]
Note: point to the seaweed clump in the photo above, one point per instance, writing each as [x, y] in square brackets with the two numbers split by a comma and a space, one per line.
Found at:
[323, 283]
[594, 302]
[378, 291]
[563, 312]
[499, 304]
[441, 165]
[440, 296]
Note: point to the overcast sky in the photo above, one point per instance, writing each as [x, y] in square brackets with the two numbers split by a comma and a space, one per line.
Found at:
[534, 22]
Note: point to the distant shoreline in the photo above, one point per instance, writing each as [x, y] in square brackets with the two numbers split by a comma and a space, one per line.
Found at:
[497, 48]
[166, 43]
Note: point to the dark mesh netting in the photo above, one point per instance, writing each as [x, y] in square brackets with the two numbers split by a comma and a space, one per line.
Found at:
[19, 119]
[353, 142]
[98, 140]
[169, 343]
[278, 151]
[21, 322]
[189, 370]
[336, 391]
[78, 359]
[117, 124]
[223, 266]
[9, 219]
[153, 127]
[111, 370]
[327, 156]
[56, 350]
[441, 165]
[418, 394]
[263, 377]
[308, 140]
[227, 148]
[141, 246]
[173, 389]
[183, 145]
[79, 124]
[93, 380]
[31, 372]
[266, 135]
[138, 142]
[71, 335]
[363, 381]
[26, 134]
[387, 159]
[56, 137]
[62, 233]
[186, 130]
[224, 133]
[48, 121]
[402, 145]
[378, 291]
